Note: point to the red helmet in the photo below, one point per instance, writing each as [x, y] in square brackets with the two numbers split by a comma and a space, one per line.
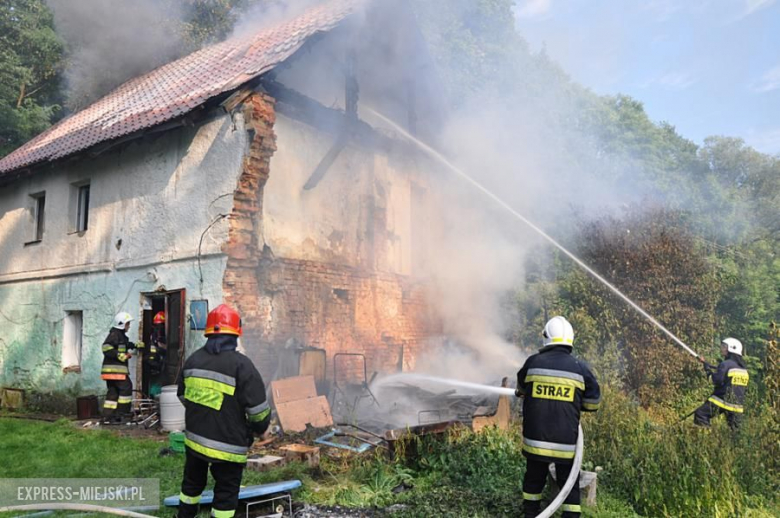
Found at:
[159, 318]
[223, 320]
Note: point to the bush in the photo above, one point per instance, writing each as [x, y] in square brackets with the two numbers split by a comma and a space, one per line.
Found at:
[678, 469]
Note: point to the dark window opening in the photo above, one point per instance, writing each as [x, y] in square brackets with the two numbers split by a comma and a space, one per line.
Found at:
[40, 205]
[82, 214]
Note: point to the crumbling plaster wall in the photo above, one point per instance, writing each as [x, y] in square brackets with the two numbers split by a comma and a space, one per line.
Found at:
[330, 266]
[358, 215]
[157, 197]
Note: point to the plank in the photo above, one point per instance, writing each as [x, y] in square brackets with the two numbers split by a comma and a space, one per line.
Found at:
[295, 415]
[292, 389]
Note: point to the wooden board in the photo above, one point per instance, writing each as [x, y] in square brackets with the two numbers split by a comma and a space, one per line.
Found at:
[295, 415]
[500, 419]
[12, 398]
[312, 363]
[265, 463]
[302, 453]
[293, 389]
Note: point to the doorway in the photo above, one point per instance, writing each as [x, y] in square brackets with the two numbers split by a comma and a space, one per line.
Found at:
[168, 338]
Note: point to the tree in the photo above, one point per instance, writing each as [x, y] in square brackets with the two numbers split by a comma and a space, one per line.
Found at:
[30, 61]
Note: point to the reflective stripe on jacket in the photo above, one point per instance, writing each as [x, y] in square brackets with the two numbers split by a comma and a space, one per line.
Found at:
[224, 397]
[730, 381]
[115, 354]
[557, 387]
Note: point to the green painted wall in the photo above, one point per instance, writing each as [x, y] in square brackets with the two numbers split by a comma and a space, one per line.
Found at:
[32, 317]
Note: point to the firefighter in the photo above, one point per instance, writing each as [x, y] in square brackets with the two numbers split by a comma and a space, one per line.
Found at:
[116, 353]
[556, 387]
[730, 379]
[224, 398]
[154, 357]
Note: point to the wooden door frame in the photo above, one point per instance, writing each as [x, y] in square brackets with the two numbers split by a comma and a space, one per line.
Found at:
[182, 318]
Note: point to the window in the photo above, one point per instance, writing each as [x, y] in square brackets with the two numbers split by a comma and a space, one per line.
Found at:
[82, 211]
[71, 341]
[38, 209]
[78, 207]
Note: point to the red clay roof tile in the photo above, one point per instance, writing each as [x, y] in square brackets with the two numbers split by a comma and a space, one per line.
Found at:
[178, 87]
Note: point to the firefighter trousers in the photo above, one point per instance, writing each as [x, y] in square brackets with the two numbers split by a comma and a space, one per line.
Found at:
[708, 410]
[533, 485]
[119, 397]
[227, 483]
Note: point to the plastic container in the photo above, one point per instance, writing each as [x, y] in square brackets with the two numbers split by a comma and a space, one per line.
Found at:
[171, 410]
[176, 441]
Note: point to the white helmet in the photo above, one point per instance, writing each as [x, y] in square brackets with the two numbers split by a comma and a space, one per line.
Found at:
[558, 331]
[122, 318]
[733, 345]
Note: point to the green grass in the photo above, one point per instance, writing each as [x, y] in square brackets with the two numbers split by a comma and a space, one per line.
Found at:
[458, 474]
[38, 449]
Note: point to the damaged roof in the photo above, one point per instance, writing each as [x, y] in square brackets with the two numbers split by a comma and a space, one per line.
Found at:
[177, 88]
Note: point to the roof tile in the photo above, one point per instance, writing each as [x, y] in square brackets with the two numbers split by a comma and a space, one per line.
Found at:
[178, 87]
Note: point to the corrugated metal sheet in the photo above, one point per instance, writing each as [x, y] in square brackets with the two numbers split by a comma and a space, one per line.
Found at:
[178, 87]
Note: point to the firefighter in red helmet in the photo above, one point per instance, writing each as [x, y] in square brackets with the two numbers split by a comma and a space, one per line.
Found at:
[154, 356]
[224, 398]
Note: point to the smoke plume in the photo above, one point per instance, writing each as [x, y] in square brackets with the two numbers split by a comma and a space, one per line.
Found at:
[111, 41]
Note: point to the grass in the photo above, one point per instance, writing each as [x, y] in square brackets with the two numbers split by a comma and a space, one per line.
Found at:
[460, 474]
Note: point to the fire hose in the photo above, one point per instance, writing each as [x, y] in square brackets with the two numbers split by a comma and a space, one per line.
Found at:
[574, 477]
[75, 507]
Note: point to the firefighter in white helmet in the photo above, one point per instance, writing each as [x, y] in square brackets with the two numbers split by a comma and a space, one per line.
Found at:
[730, 379]
[556, 387]
[116, 352]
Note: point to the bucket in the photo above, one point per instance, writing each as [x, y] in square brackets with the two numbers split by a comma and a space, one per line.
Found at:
[171, 410]
[176, 441]
[87, 407]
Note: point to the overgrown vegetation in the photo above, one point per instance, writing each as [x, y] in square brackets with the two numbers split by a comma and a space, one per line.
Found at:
[672, 468]
[649, 468]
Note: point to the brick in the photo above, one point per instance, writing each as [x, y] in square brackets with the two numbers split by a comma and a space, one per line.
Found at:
[302, 453]
[265, 463]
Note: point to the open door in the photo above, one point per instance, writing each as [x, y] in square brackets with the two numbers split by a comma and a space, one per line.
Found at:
[175, 301]
[170, 337]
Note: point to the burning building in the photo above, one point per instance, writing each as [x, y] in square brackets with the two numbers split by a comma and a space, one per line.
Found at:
[242, 173]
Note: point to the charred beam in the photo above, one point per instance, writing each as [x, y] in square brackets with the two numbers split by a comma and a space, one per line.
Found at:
[327, 161]
[330, 120]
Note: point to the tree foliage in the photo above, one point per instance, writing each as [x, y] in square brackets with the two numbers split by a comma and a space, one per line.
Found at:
[30, 65]
[706, 263]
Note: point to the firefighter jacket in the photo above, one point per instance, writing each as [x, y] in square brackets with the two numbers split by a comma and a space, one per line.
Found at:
[115, 355]
[556, 387]
[155, 353]
[225, 403]
[730, 380]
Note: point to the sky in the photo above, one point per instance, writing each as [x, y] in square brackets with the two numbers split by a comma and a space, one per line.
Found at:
[708, 67]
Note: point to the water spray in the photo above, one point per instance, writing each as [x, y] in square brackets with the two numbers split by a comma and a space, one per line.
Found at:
[475, 387]
[441, 158]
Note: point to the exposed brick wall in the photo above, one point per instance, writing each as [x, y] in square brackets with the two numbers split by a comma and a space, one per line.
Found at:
[343, 310]
[331, 306]
[240, 284]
